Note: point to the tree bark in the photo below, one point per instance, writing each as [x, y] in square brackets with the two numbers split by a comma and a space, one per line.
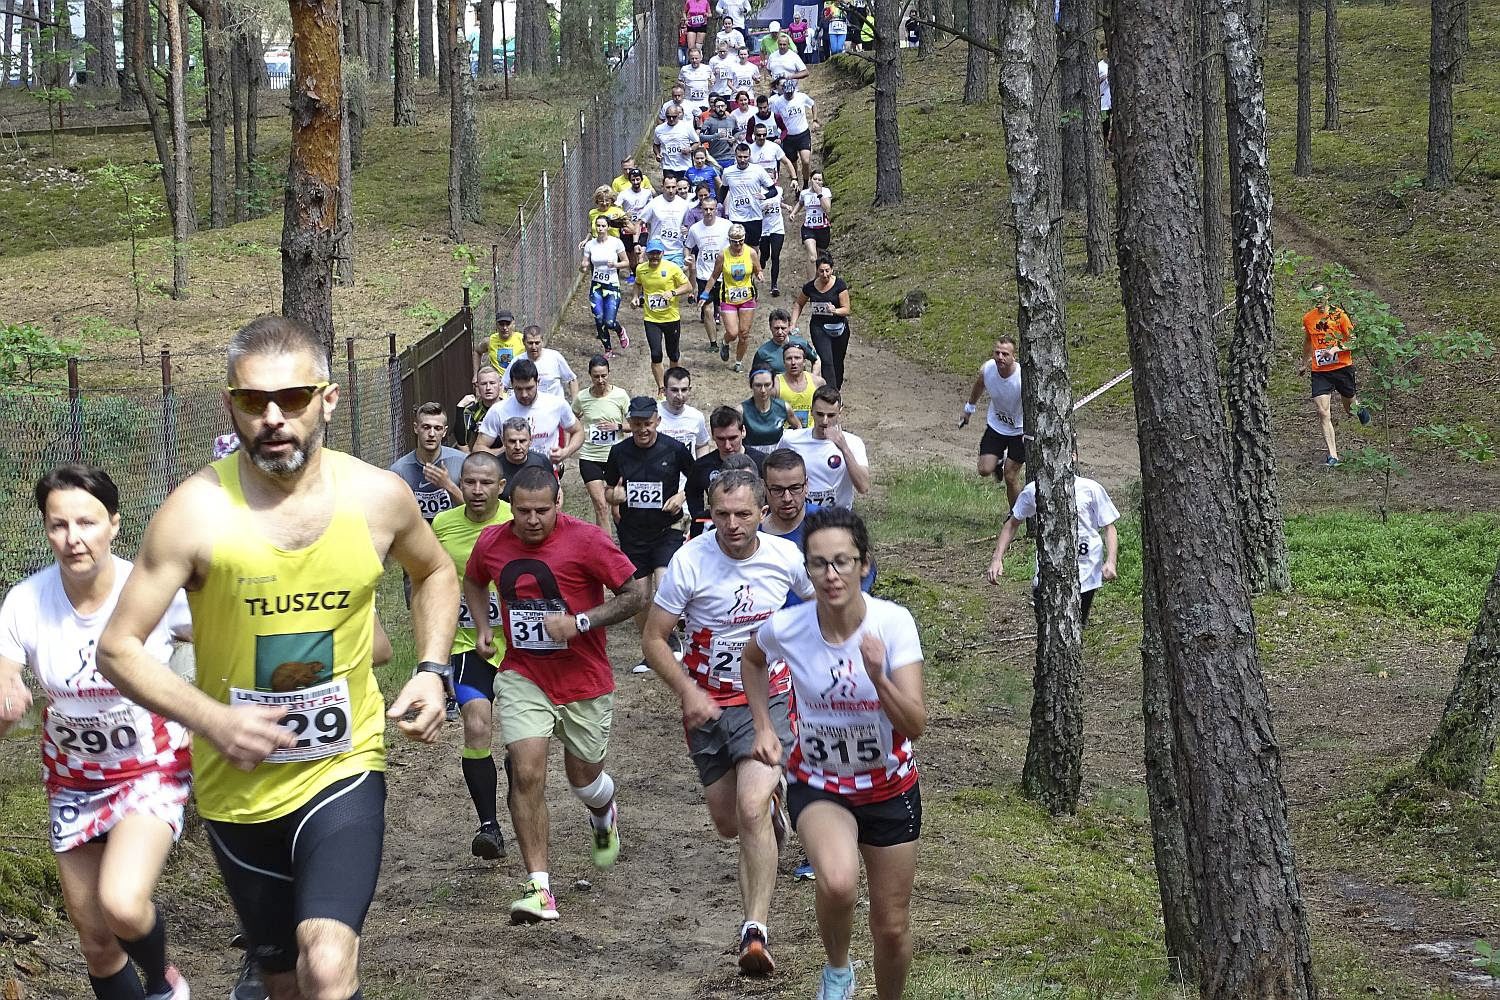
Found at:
[977, 74]
[484, 13]
[184, 216]
[110, 80]
[382, 65]
[1079, 76]
[343, 243]
[1330, 66]
[534, 38]
[1210, 65]
[1253, 932]
[469, 178]
[887, 82]
[1463, 744]
[457, 49]
[100, 58]
[1054, 752]
[140, 12]
[575, 47]
[1443, 59]
[425, 59]
[1302, 166]
[234, 51]
[444, 46]
[7, 43]
[255, 74]
[129, 96]
[404, 98]
[62, 44]
[311, 209]
[216, 86]
[1254, 344]
[24, 56]
[1096, 184]
[1174, 875]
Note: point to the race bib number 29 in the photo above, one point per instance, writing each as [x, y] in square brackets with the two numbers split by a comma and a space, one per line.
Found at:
[318, 716]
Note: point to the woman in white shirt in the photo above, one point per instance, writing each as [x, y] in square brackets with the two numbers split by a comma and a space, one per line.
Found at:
[604, 258]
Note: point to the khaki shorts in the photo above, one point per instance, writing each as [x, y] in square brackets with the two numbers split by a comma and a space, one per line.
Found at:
[526, 713]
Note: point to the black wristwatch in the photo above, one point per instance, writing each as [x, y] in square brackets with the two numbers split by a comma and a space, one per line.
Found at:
[443, 670]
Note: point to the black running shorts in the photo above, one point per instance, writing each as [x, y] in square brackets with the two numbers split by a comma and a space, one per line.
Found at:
[887, 823]
[1340, 380]
[1011, 446]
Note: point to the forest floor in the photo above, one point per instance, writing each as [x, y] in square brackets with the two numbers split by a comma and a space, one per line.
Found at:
[1009, 902]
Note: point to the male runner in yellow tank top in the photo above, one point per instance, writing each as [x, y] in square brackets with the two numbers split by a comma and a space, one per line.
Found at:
[280, 547]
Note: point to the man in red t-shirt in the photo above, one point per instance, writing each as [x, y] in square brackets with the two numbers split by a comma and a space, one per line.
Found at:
[550, 571]
[1326, 353]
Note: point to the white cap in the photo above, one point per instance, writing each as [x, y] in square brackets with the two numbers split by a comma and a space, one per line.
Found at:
[774, 27]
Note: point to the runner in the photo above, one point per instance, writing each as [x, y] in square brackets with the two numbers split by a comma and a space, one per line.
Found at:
[837, 467]
[555, 432]
[281, 545]
[727, 428]
[645, 473]
[826, 300]
[679, 421]
[457, 531]
[698, 77]
[634, 198]
[503, 346]
[627, 166]
[786, 489]
[671, 142]
[661, 282]
[663, 221]
[606, 209]
[473, 407]
[1002, 449]
[717, 131]
[769, 354]
[735, 11]
[766, 415]
[742, 112]
[734, 275]
[746, 73]
[730, 35]
[767, 154]
[795, 385]
[604, 257]
[775, 127]
[1326, 352]
[515, 453]
[838, 30]
[721, 63]
[726, 583]
[601, 407]
[854, 792]
[116, 774]
[677, 100]
[555, 377]
[705, 241]
[815, 203]
[550, 571]
[745, 187]
[431, 469]
[799, 114]
[695, 16]
[772, 236]
[1098, 542]
[703, 172]
[785, 63]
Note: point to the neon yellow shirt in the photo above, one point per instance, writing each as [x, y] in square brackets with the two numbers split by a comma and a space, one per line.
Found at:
[656, 285]
[799, 403]
[457, 535]
[503, 350]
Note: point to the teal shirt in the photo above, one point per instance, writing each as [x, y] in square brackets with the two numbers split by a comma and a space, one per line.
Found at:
[764, 430]
[768, 356]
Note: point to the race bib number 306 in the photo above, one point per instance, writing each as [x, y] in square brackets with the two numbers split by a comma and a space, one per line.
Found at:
[318, 716]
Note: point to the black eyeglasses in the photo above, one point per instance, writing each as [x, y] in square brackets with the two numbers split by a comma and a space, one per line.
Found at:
[291, 400]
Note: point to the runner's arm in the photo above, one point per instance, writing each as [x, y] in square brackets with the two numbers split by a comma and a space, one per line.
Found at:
[16, 696]
[842, 309]
[997, 562]
[797, 308]
[575, 437]
[697, 707]
[900, 691]
[1111, 550]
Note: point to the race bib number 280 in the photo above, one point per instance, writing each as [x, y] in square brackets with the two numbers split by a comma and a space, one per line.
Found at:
[318, 716]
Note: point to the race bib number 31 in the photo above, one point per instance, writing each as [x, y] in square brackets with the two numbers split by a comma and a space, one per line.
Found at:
[525, 628]
[318, 716]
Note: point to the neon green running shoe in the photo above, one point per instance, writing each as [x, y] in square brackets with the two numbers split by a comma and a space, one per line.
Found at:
[538, 904]
[607, 841]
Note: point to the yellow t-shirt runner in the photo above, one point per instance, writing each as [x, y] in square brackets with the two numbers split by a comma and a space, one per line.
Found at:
[503, 350]
[457, 533]
[737, 278]
[656, 285]
[799, 403]
[594, 410]
[293, 630]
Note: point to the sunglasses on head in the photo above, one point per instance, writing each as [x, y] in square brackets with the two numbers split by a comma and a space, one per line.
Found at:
[292, 399]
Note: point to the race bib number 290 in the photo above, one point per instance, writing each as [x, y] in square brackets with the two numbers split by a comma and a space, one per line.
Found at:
[101, 739]
[318, 716]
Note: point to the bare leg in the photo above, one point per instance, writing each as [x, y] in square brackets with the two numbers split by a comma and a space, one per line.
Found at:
[1013, 479]
[582, 773]
[528, 800]
[746, 324]
[829, 834]
[986, 465]
[890, 872]
[1325, 416]
[327, 960]
[601, 506]
[720, 798]
[79, 872]
[754, 783]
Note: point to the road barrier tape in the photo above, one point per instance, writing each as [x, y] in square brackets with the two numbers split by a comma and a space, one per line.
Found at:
[1102, 389]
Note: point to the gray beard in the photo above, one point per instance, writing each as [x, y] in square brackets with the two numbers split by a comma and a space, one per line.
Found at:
[293, 463]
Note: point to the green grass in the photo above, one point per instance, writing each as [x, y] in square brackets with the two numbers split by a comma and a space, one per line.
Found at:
[29, 888]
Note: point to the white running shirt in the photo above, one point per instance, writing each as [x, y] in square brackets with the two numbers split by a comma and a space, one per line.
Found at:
[772, 218]
[794, 112]
[634, 202]
[723, 73]
[779, 66]
[697, 81]
[828, 482]
[724, 601]
[813, 216]
[1005, 414]
[687, 428]
[92, 736]
[767, 156]
[745, 190]
[602, 257]
[552, 373]
[1096, 511]
[677, 142]
[845, 743]
[707, 242]
[549, 416]
[663, 220]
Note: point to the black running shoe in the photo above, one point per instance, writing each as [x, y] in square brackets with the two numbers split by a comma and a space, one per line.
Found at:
[488, 843]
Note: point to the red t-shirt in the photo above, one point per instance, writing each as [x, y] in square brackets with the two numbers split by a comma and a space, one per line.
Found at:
[566, 573]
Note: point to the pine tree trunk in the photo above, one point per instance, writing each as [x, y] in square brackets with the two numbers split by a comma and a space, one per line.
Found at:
[184, 219]
[444, 46]
[1463, 744]
[977, 74]
[1253, 925]
[382, 66]
[255, 74]
[163, 57]
[343, 243]
[23, 63]
[1054, 752]
[7, 43]
[130, 99]
[1079, 75]
[426, 66]
[312, 197]
[1174, 875]
[234, 51]
[62, 44]
[110, 78]
[216, 87]
[1330, 66]
[1254, 343]
[404, 98]
[94, 11]
[1210, 65]
[457, 50]
[140, 13]
[887, 82]
[484, 12]
[469, 134]
[1446, 51]
[1303, 164]
[533, 38]
[1096, 183]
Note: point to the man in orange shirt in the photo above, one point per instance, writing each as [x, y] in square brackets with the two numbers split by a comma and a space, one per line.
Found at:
[1326, 352]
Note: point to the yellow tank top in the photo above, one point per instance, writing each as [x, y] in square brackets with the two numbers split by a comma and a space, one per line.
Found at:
[737, 277]
[799, 403]
[293, 629]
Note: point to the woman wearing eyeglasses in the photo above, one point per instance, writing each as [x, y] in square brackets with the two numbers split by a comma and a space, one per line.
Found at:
[735, 273]
[117, 775]
[853, 794]
[766, 414]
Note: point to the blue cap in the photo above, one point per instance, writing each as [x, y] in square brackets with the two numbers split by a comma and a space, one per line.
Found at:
[656, 246]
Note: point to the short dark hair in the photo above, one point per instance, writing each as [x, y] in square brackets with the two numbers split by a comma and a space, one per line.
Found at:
[838, 517]
[792, 345]
[598, 361]
[738, 479]
[779, 314]
[522, 370]
[430, 409]
[534, 477]
[828, 394]
[824, 258]
[784, 459]
[481, 458]
[273, 334]
[529, 330]
[1006, 338]
[725, 416]
[90, 478]
[676, 372]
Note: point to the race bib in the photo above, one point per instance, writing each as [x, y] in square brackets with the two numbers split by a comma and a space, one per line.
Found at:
[815, 219]
[821, 498]
[697, 93]
[604, 275]
[1083, 549]
[644, 496]
[668, 233]
[724, 660]
[739, 294]
[850, 748]
[107, 738]
[820, 308]
[837, 27]
[525, 629]
[598, 435]
[318, 716]
[658, 302]
[742, 202]
[433, 503]
[697, 20]
[1325, 356]
[466, 617]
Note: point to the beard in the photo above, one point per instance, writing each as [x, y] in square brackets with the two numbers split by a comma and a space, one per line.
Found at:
[292, 462]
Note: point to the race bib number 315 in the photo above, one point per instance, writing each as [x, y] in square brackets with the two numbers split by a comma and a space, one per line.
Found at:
[318, 716]
[847, 749]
